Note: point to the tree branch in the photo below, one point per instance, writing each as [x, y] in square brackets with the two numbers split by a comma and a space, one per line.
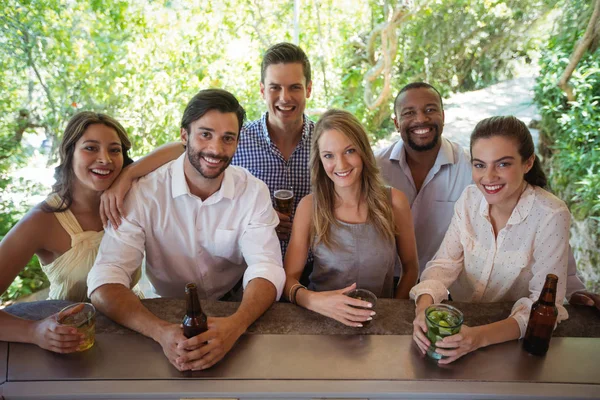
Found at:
[590, 33]
[265, 43]
[386, 31]
[317, 5]
[29, 47]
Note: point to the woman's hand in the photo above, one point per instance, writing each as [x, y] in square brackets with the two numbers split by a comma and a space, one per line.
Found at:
[420, 329]
[335, 304]
[50, 335]
[419, 324]
[111, 201]
[455, 346]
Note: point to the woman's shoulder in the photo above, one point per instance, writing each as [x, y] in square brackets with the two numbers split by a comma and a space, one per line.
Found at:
[306, 203]
[547, 200]
[36, 217]
[399, 199]
[40, 213]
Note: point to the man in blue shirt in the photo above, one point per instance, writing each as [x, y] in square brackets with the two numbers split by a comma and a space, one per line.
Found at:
[276, 147]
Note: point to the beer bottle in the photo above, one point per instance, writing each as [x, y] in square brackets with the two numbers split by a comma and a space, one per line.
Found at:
[542, 319]
[194, 320]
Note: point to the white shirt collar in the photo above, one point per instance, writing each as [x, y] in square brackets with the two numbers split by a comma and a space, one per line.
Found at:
[521, 210]
[445, 155]
[180, 187]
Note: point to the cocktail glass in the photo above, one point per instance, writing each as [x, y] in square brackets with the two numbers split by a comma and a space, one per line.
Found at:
[442, 320]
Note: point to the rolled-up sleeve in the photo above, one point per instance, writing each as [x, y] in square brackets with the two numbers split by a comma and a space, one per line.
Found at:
[448, 262]
[121, 251]
[260, 245]
[551, 253]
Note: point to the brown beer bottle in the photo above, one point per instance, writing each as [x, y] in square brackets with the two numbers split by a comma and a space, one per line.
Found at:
[194, 320]
[542, 319]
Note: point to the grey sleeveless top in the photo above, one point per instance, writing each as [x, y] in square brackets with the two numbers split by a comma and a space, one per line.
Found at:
[361, 256]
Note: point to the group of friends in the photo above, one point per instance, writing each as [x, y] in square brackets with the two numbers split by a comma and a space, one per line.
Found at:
[421, 219]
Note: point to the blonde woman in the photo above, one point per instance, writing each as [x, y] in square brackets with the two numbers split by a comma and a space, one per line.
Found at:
[355, 226]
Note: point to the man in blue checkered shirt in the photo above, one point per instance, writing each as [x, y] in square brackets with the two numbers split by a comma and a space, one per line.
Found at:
[276, 147]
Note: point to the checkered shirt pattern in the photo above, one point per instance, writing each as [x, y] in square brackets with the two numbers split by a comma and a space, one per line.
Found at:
[259, 155]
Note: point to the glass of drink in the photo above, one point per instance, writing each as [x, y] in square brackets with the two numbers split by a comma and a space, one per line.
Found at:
[284, 201]
[81, 316]
[365, 295]
[442, 320]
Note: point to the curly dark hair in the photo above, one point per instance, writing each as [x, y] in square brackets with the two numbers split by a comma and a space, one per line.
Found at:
[75, 129]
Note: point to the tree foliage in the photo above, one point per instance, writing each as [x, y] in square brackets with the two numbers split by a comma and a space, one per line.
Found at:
[141, 61]
[456, 45]
[572, 127]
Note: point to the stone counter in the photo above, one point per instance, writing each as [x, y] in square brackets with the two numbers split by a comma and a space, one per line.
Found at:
[294, 353]
[394, 317]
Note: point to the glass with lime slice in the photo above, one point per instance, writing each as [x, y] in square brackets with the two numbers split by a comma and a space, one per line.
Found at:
[442, 320]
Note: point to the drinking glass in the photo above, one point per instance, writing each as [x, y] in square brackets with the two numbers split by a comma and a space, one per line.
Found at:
[365, 295]
[442, 320]
[81, 316]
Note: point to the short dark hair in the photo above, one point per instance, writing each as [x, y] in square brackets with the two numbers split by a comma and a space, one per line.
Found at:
[417, 85]
[212, 99]
[284, 53]
[512, 128]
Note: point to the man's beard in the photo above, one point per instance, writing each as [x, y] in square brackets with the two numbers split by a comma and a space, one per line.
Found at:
[194, 158]
[424, 147]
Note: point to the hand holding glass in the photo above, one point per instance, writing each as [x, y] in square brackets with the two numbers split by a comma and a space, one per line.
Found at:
[442, 320]
[81, 316]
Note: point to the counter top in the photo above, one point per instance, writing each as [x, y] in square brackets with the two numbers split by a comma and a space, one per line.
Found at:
[394, 317]
[294, 353]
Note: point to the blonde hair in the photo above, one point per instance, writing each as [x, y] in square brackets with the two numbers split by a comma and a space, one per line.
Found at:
[372, 187]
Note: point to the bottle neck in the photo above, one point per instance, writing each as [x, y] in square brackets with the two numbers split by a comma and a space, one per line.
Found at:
[193, 304]
[548, 295]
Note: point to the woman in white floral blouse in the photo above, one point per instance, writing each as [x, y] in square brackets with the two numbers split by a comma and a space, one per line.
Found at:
[506, 235]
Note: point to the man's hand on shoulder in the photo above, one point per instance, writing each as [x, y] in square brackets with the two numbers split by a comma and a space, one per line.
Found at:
[585, 298]
[208, 348]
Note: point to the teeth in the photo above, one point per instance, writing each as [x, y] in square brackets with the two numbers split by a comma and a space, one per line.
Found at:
[282, 108]
[101, 171]
[421, 131]
[343, 174]
[212, 160]
[492, 188]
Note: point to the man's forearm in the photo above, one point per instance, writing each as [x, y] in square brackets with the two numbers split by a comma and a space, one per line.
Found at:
[258, 297]
[157, 158]
[122, 306]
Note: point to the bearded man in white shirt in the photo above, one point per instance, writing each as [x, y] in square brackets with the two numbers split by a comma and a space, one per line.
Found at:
[198, 220]
[433, 172]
